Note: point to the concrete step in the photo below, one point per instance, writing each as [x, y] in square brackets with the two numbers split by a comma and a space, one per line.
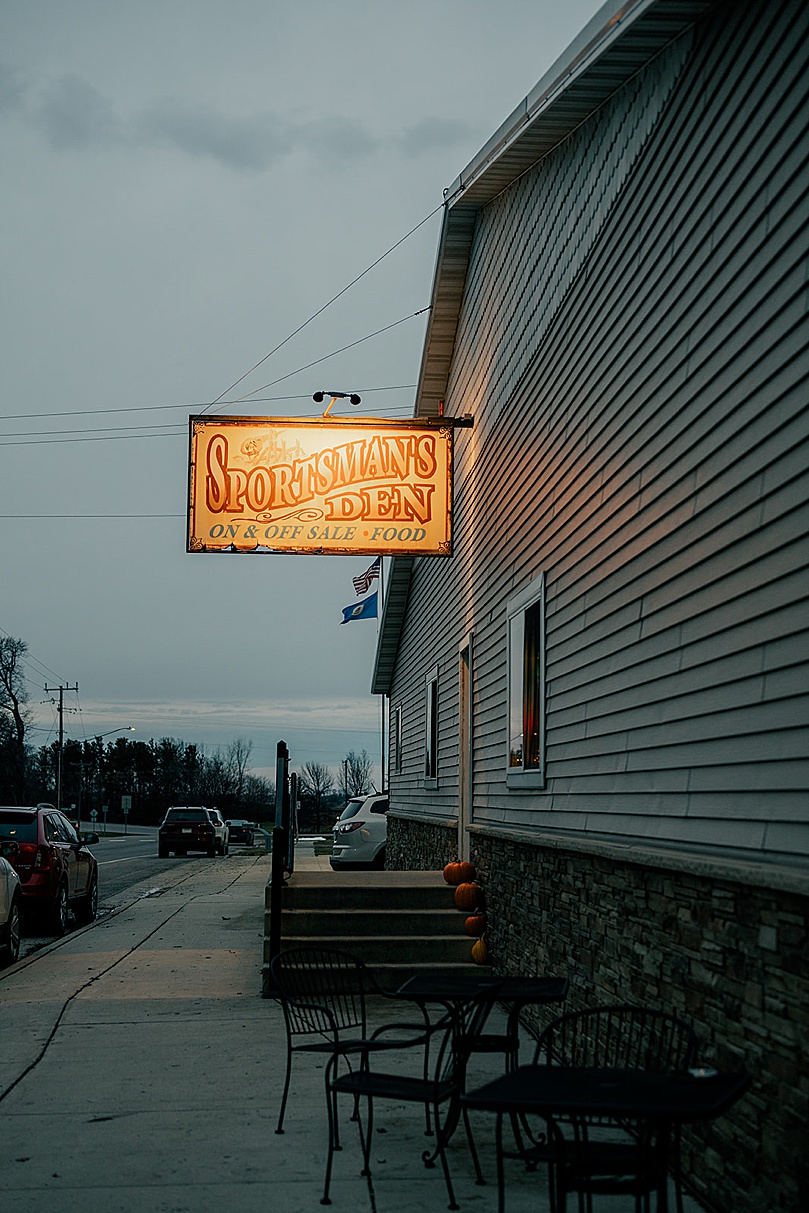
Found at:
[363, 890]
[349, 924]
[398, 923]
[362, 897]
[381, 949]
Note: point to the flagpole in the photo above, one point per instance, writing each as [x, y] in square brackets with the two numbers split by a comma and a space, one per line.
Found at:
[367, 609]
[382, 697]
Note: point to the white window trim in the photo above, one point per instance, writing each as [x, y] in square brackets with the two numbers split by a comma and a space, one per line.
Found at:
[466, 742]
[430, 781]
[397, 740]
[532, 780]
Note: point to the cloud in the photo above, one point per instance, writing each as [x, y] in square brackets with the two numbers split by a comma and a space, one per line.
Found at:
[167, 715]
[337, 139]
[73, 114]
[247, 144]
[324, 730]
[253, 143]
[434, 134]
[12, 88]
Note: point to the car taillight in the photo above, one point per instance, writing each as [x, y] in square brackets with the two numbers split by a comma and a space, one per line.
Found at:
[33, 856]
[349, 826]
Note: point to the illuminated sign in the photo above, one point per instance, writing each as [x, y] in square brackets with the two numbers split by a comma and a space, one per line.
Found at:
[281, 484]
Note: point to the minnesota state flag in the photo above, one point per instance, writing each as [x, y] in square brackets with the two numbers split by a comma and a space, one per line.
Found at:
[361, 610]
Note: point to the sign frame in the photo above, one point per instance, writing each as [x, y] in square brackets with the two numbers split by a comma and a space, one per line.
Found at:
[403, 469]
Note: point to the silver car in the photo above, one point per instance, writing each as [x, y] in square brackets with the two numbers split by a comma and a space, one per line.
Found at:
[360, 833]
[10, 898]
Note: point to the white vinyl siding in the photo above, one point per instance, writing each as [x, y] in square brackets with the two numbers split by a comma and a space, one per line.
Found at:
[644, 440]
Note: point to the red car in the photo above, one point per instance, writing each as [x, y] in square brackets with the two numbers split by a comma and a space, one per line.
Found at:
[9, 909]
[56, 870]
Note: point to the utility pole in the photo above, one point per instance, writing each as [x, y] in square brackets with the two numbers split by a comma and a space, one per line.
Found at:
[61, 690]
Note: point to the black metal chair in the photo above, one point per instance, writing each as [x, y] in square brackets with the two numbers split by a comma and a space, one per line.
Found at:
[438, 1088]
[598, 1155]
[323, 994]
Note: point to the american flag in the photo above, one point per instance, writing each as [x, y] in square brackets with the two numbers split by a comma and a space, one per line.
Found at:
[362, 584]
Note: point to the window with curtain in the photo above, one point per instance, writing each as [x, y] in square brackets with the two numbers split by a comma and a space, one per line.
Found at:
[397, 740]
[431, 728]
[526, 690]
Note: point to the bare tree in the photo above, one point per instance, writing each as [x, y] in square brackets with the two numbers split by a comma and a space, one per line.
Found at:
[13, 716]
[314, 782]
[236, 760]
[259, 798]
[357, 768]
[216, 786]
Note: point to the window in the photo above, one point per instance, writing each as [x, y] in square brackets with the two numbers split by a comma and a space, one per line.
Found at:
[397, 740]
[431, 730]
[67, 832]
[52, 833]
[526, 687]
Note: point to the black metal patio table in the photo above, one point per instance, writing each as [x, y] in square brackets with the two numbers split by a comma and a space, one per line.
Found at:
[660, 1099]
[460, 991]
[448, 989]
[454, 990]
[471, 997]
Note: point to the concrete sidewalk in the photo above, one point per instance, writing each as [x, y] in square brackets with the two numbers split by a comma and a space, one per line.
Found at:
[140, 1072]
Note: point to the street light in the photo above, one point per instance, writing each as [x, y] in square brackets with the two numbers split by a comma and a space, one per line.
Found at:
[126, 728]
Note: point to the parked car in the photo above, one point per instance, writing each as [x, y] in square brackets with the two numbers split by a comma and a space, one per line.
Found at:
[192, 828]
[360, 833]
[57, 872]
[241, 830]
[10, 898]
[222, 831]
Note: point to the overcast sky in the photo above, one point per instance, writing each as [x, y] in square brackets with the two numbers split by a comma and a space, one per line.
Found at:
[185, 183]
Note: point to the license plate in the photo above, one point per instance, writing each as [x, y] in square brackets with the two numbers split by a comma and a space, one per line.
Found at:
[186, 831]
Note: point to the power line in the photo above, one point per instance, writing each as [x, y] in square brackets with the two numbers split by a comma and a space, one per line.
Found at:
[321, 310]
[56, 437]
[31, 661]
[120, 430]
[333, 354]
[98, 438]
[123, 432]
[148, 408]
[46, 440]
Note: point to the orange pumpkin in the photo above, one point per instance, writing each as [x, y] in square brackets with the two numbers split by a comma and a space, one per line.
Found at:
[469, 897]
[480, 952]
[459, 872]
[475, 925]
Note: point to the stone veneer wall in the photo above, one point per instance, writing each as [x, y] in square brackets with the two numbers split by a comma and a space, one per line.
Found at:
[420, 846]
[731, 958]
